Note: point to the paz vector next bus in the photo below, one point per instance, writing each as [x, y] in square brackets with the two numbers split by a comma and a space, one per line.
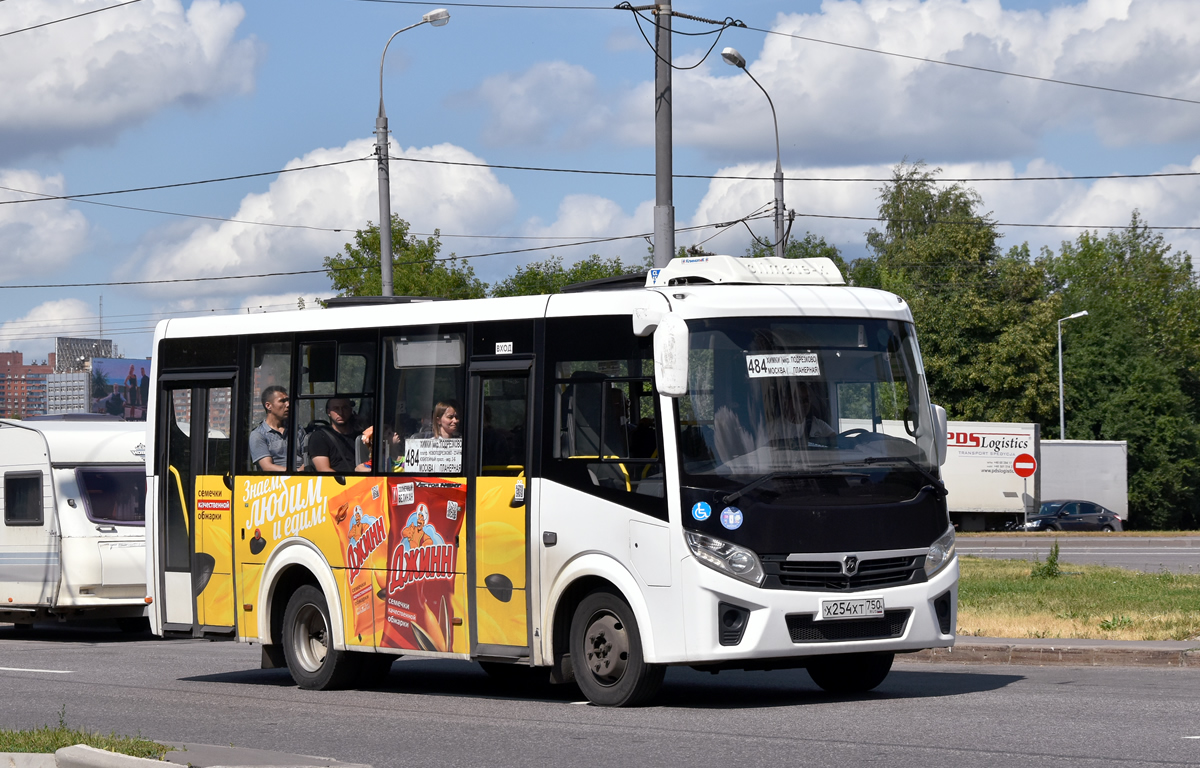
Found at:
[726, 463]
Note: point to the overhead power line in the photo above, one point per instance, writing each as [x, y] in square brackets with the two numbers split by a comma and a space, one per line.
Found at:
[497, 5]
[977, 223]
[972, 67]
[178, 184]
[81, 197]
[849, 46]
[290, 273]
[68, 18]
[726, 177]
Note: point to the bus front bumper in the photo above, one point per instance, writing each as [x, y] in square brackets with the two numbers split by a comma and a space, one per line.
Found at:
[788, 624]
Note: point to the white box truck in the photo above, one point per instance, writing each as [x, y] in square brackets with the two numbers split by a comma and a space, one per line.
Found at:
[996, 472]
[991, 473]
[73, 541]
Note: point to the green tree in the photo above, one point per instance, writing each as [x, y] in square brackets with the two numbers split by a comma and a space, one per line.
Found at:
[985, 318]
[1132, 367]
[417, 270]
[550, 276]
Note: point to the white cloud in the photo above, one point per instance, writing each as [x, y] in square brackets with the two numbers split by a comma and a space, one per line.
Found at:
[34, 333]
[82, 81]
[1162, 201]
[586, 217]
[836, 105]
[552, 102]
[455, 199]
[39, 237]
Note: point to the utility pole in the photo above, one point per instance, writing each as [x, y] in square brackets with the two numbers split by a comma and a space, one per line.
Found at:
[664, 205]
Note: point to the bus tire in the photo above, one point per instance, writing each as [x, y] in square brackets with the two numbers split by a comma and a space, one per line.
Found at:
[606, 653]
[850, 673]
[308, 643]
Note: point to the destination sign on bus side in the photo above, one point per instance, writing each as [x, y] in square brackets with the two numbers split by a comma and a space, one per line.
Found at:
[794, 364]
[436, 455]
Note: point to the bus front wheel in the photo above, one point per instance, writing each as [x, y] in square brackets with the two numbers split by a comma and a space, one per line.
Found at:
[606, 653]
[308, 643]
[851, 672]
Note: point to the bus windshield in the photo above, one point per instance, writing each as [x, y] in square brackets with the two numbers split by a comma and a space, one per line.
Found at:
[838, 406]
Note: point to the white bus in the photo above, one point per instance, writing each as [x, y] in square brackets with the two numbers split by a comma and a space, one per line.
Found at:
[73, 544]
[689, 469]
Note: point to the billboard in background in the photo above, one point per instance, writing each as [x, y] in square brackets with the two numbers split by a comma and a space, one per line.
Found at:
[120, 387]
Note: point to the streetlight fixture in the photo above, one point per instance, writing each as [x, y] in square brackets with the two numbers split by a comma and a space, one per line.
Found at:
[1062, 419]
[437, 18]
[736, 59]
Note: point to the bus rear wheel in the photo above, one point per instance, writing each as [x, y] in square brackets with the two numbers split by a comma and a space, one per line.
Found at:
[308, 643]
[606, 653]
[851, 672]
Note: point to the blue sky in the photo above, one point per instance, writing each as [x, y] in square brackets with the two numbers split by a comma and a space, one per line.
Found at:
[161, 91]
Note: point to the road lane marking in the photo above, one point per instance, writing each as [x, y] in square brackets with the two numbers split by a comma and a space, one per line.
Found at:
[47, 671]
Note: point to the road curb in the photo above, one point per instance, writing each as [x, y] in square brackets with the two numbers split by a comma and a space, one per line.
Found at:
[1065, 654]
[83, 756]
[26, 760]
[196, 755]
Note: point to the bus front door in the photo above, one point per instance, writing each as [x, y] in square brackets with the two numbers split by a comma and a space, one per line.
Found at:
[499, 426]
[195, 511]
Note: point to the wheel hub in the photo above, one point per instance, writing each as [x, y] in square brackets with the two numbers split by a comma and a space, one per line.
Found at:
[606, 648]
[311, 638]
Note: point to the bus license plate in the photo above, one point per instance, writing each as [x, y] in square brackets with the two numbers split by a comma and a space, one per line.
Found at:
[851, 609]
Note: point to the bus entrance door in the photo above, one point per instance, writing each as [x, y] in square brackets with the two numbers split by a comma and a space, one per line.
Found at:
[498, 458]
[195, 514]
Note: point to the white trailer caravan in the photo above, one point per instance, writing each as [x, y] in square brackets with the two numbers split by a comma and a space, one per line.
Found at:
[73, 543]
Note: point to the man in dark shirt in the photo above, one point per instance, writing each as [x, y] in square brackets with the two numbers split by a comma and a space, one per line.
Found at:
[331, 449]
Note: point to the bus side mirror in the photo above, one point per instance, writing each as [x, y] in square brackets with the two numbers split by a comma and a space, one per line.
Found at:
[671, 355]
[940, 423]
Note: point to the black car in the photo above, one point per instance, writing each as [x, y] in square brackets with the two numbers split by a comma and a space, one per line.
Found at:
[1073, 515]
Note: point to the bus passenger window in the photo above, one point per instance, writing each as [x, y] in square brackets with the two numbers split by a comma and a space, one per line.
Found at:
[268, 410]
[336, 399]
[603, 410]
[423, 391]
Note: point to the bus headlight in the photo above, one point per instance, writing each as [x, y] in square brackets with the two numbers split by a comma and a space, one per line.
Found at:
[730, 559]
[940, 552]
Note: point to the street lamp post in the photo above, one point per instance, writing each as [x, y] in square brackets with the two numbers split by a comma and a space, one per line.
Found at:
[736, 59]
[1062, 418]
[437, 18]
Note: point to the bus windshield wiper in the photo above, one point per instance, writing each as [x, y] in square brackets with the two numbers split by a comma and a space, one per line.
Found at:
[831, 472]
[935, 482]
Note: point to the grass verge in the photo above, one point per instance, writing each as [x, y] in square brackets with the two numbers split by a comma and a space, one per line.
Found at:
[1000, 598]
[50, 738]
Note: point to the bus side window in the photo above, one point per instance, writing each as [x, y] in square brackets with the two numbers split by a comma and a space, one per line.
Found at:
[270, 371]
[341, 369]
[603, 408]
[424, 371]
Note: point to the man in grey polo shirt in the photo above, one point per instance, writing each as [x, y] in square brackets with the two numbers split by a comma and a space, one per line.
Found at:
[268, 441]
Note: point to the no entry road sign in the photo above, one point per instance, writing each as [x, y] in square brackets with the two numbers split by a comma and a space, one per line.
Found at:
[1024, 465]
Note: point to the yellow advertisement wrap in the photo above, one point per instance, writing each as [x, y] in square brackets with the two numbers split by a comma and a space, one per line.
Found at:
[393, 545]
[500, 593]
[212, 563]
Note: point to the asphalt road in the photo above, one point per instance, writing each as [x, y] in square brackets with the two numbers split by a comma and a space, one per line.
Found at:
[450, 713]
[1146, 553]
